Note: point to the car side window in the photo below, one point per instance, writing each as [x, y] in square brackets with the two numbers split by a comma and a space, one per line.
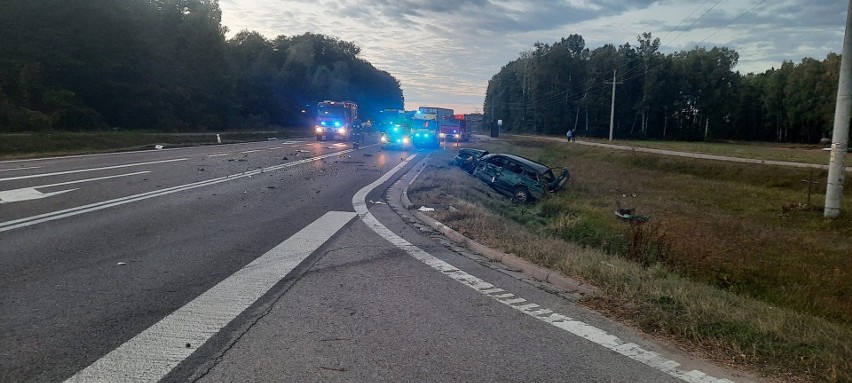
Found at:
[514, 167]
[497, 161]
[531, 174]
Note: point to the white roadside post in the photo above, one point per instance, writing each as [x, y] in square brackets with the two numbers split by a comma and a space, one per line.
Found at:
[840, 137]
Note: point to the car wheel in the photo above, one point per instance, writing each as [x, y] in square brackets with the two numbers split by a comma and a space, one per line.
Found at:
[521, 195]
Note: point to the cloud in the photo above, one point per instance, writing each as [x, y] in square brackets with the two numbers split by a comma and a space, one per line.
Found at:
[445, 51]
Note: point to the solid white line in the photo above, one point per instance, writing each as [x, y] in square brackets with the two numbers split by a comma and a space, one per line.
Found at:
[249, 151]
[92, 179]
[91, 170]
[217, 155]
[151, 355]
[29, 221]
[575, 327]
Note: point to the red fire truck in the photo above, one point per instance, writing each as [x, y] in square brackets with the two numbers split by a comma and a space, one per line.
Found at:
[335, 119]
[454, 129]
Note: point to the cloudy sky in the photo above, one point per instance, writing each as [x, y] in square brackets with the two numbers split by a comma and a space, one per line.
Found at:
[443, 52]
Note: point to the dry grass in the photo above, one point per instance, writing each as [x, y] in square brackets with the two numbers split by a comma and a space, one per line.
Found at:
[721, 266]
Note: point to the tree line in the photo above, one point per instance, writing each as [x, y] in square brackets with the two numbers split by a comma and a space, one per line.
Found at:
[166, 65]
[687, 95]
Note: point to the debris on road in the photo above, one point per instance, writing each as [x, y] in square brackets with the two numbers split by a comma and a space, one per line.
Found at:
[425, 209]
[120, 264]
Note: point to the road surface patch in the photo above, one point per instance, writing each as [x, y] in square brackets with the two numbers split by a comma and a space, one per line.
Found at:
[30, 193]
[29, 221]
[151, 355]
[91, 170]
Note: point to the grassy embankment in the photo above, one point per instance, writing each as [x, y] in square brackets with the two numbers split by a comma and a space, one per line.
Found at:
[29, 145]
[733, 264]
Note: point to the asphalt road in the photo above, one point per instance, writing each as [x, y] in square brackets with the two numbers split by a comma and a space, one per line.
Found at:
[96, 252]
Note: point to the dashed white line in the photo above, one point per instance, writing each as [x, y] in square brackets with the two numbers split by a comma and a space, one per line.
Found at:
[578, 328]
[151, 355]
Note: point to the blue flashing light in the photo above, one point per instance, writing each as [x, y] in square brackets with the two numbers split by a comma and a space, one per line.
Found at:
[323, 123]
[337, 124]
[395, 129]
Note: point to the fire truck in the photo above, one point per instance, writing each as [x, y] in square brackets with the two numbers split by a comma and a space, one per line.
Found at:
[454, 129]
[427, 122]
[335, 119]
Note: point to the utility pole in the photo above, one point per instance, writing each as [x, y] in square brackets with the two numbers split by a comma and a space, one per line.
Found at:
[612, 109]
[840, 137]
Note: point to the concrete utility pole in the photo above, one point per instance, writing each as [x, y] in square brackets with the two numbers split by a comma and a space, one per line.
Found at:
[840, 137]
[612, 109]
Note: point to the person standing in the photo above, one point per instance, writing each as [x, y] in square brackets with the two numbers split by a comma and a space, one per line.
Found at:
[570, 135]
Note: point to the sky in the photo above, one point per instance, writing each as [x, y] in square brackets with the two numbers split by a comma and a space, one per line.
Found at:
[444, 52]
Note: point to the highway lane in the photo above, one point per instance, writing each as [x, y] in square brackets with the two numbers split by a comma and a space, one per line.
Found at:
[74, 288]
[28, 186]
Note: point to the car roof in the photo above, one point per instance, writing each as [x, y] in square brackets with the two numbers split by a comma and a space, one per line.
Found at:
[539, 167]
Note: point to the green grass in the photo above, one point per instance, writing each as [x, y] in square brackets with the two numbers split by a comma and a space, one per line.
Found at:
[733, 262]
[28, 145]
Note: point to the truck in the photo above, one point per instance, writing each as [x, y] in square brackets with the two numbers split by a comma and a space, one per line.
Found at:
[395, 126]
[335, 119]
[427, 122]
[455, 129]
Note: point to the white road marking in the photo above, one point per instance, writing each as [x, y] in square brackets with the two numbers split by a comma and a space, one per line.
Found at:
[578, 328]
[250, 151]
[27, 168]
[30, 193]
[26, 194]
[217, 155]
[91, 170]
[151, 355]
[29, 221]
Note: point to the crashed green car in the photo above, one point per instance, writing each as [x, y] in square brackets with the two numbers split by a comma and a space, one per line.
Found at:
[467, 157]
[519, 178]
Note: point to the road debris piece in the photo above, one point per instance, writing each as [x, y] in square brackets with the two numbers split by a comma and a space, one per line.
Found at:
[630, 215]
[120, 264]
[425, 209]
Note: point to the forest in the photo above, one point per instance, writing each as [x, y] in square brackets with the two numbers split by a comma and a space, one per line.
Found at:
[166, 65]
[693, 95]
